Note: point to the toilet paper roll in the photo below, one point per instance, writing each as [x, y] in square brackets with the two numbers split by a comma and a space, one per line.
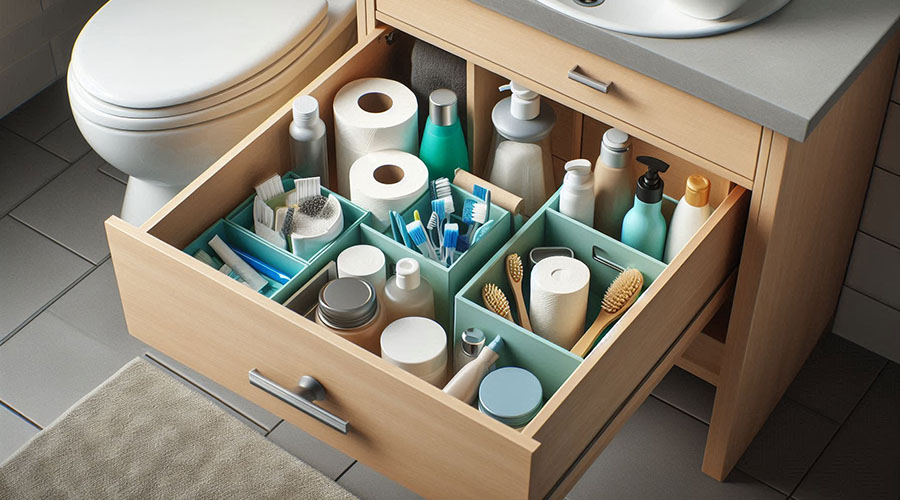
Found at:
[387, 180]
[559, 298]
[372, 114]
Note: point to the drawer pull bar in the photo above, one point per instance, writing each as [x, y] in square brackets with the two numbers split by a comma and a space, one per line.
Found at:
[310, 390]
[578, 76]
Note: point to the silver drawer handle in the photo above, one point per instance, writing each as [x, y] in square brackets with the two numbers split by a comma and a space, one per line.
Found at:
[578, 76]
[310, 390]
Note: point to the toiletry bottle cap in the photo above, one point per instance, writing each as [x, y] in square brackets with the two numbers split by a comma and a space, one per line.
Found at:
[579, 167]
[408, 274]
[525, 103]
[616, 140]
[650, 185]
[496, 344]
[696, 191]
[306, 108]
[472, 340]
[442, 107]
[347, 303]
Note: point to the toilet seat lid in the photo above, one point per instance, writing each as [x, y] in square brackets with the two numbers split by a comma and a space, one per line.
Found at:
[153, 54]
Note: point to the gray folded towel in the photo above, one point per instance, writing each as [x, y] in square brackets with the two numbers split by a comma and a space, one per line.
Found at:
[433, 68]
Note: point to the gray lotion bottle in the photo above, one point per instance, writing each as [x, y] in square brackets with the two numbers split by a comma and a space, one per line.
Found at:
[309, 147]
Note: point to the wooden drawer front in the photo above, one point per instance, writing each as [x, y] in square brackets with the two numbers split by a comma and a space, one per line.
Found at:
[399, 425]
[514, 49]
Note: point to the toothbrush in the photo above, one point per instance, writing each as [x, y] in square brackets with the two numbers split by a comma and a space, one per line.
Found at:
[448, 247]
[395, 231]
[432, 224]
[474, 214]
[420, 238]
[401, 234]
[261, 267]
[440, 190]
[438, 210]
[483, 194]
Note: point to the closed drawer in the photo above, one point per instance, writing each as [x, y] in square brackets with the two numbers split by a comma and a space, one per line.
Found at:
[398, 424]
[677, 121]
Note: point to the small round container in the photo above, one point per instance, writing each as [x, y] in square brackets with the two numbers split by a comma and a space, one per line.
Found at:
[417, 345]
[349, 307]
[511, 395]
[364, 262]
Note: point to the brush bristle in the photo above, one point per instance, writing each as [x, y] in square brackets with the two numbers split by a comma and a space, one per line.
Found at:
[514, 267]
[620, 291]
[479, 213]
[494, 299]
[451, 233]
[416, 232]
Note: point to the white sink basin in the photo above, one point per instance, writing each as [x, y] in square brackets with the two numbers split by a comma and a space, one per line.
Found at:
[659, 18]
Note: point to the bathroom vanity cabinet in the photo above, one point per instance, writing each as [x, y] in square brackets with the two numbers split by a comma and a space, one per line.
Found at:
[741, 306]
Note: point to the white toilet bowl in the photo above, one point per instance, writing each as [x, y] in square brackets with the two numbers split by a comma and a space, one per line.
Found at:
[162, 89]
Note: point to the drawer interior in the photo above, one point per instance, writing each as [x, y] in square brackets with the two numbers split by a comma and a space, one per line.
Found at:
[581, 395]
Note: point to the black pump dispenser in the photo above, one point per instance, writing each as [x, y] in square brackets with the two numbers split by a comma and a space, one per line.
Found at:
[650, 185]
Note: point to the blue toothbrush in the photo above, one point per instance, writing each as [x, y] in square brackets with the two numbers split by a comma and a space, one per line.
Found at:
[448, 247]
[483, 194]
[261, 267]
[420, 238]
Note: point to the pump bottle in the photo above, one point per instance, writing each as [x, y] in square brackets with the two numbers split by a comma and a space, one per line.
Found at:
[407, 293]
[613, 183]
[576, 198]
[690, 213]
[443, 147]
[309, 147]
[644, 227]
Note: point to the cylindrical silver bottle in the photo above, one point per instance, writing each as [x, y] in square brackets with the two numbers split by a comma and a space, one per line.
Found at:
[309, 147]
[471, 342]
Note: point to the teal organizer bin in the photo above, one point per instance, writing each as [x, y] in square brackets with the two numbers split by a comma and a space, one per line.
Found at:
[244, 240]
[446, 281]
[353, 215]
[551, 363]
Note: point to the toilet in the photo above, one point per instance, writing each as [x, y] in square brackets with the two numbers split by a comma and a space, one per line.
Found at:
[162, 89]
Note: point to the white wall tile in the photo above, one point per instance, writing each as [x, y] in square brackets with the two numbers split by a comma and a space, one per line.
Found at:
[24, 78]
[889, 148]
[881, 215]
[869, 323]
[875, 270]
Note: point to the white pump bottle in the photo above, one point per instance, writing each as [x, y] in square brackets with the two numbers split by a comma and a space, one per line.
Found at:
[576, 198]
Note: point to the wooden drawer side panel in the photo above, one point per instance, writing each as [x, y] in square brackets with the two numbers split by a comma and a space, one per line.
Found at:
[578, 411]
[399, 424]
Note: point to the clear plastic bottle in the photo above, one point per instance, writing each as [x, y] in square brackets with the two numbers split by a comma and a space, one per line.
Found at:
[613, 183]
[407, 294]
[309, 147]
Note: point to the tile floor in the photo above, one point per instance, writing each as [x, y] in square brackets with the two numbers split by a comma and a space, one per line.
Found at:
[836, 434]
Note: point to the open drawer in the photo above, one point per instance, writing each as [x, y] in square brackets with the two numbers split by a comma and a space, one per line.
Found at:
[399, 424]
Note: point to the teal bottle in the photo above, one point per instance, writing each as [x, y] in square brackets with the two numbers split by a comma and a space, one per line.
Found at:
[644, 227]
[443, 148]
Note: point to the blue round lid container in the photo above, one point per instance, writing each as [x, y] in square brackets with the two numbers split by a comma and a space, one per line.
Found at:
[511, 395]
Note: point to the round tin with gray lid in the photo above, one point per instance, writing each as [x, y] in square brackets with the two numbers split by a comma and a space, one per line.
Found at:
[347, 303]
[511, 395]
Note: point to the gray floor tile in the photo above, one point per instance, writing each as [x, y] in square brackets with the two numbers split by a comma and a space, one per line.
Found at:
[16, 432]
[49, 365]
[66, 141]
[835, 377]
[787, 445]
[367, 484]
[33, 270]
[215, 401]
[863, 460]
[24, 167]
[94, 308]
[687, 393]
[113, 172]
[72, 208]
[295, 441]
[41, 114]
[868, 323]
[261, 417]
[657, 455]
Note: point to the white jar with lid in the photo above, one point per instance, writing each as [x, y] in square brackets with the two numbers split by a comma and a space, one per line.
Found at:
[417, 345]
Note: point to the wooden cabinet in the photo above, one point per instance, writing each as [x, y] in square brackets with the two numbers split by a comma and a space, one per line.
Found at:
[757, 240]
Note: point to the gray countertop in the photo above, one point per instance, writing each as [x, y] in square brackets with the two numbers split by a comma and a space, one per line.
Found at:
[784, 72]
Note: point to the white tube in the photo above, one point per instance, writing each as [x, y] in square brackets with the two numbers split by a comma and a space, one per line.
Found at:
[236, 263]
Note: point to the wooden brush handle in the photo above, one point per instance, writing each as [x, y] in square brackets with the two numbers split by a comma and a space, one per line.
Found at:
[583, 346]
[520, 306]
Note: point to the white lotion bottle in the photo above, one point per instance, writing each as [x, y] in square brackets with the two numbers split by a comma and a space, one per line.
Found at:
[407, 294]
[309, 147]
[691, 212]
[464, 385]
[576, 198]
[613, 183]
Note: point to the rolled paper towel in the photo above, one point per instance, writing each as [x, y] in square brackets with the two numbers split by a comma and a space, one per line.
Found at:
[559, 298]
[372, 114]
[387, 180]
